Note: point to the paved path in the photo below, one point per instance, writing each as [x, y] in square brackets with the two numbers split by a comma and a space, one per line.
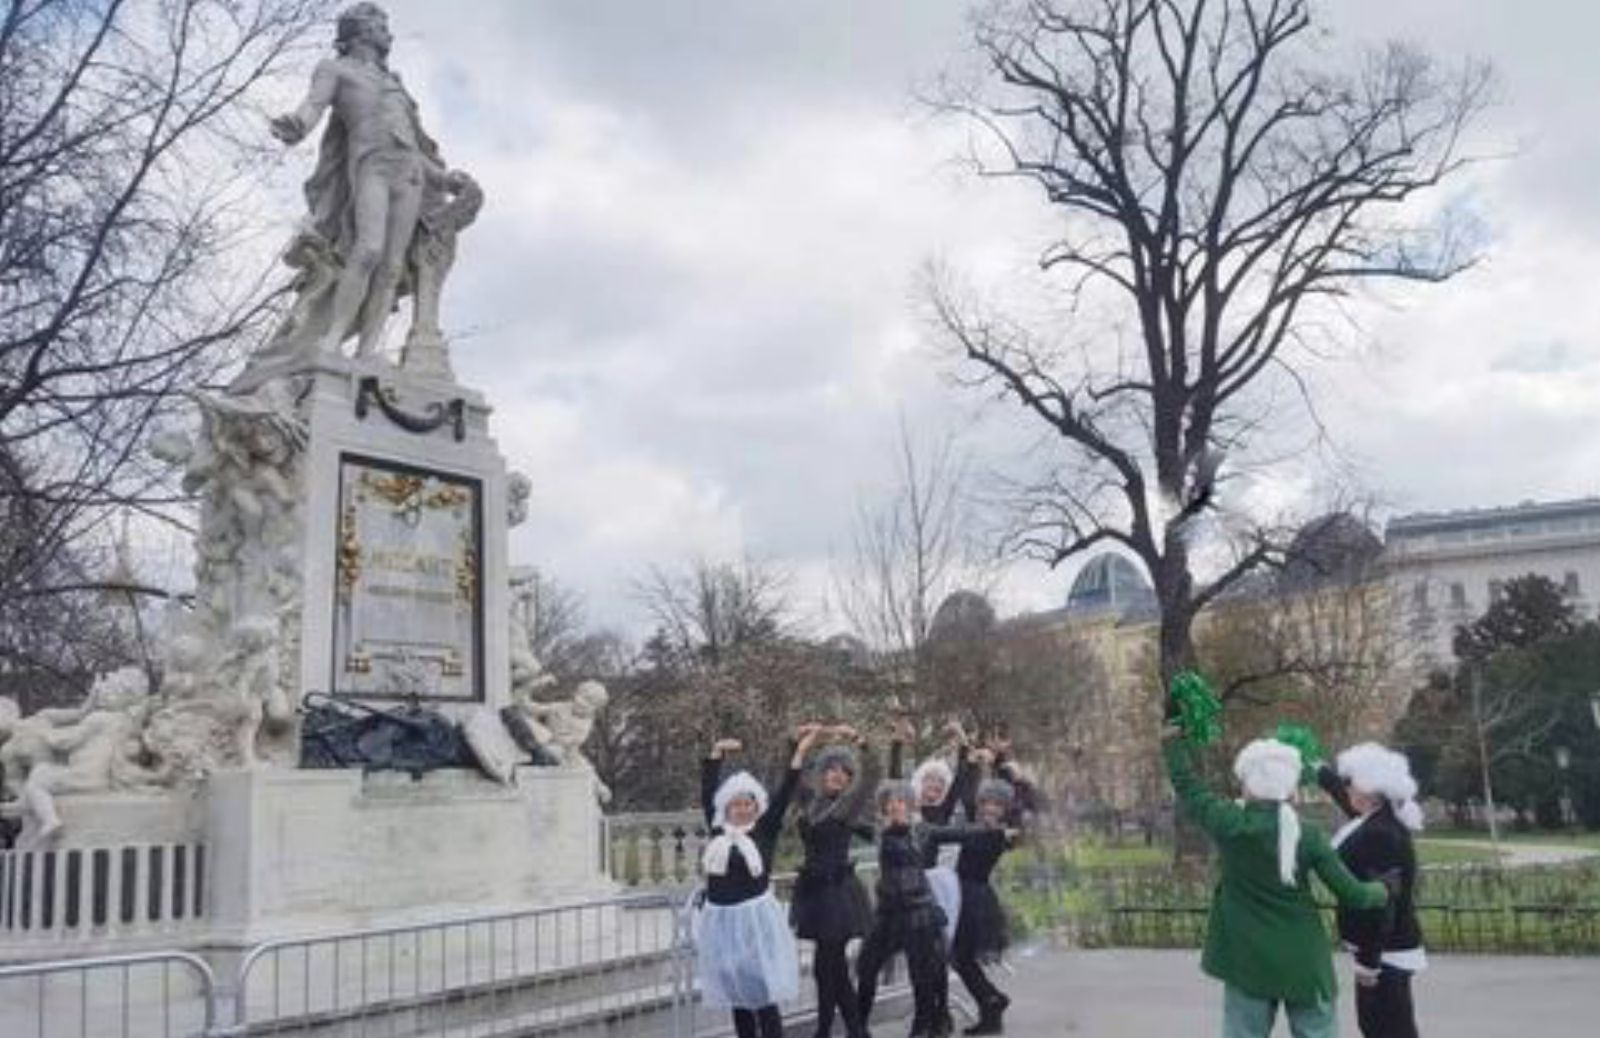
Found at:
[1520, 854]
[1162, 994]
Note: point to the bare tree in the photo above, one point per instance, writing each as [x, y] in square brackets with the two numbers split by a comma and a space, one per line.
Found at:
[1220, 193]
[127, 135]
[911, 549]
[553, 616]
[708, 608]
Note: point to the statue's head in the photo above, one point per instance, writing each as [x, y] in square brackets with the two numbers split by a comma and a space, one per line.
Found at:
[363, 23]
[591, 695]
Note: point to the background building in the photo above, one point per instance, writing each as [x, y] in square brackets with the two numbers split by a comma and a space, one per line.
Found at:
[1448, 567]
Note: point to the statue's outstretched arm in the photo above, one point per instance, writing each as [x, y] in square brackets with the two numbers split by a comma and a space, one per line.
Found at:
[293, 127]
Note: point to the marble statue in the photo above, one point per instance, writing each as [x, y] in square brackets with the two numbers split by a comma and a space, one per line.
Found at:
[562, 727]
[518, 488]
[385, 211]
[449, 206]
[91, 749]
[230, 669]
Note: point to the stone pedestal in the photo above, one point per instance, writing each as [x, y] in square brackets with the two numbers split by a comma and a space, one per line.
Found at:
[308, 851]
[253, 855]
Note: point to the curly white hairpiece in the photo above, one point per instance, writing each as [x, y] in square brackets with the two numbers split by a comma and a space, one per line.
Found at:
[1270, 770]
[1376, 770]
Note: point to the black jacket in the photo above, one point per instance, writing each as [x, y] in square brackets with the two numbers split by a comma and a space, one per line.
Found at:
[828, 825]
[1380, 848]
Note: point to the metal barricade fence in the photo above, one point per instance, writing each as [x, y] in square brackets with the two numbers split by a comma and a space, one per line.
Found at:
[155, 995]
[622, 968]
[614, 966]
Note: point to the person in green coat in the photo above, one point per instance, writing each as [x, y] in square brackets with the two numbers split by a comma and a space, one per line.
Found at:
[1265, 939]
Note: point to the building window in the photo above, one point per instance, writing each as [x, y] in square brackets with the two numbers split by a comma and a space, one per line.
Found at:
[1570, 584]
[1458, 595]
[1419, 595]
[1496, 589]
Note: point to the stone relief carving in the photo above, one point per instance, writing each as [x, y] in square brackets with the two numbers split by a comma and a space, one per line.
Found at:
[90, 749]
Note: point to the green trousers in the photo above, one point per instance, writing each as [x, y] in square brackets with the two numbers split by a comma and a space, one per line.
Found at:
[1247, 1017]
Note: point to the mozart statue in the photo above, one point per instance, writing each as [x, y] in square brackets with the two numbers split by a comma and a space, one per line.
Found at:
[384, 207]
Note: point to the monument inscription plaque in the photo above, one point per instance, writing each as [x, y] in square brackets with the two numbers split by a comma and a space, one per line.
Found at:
[408, 595]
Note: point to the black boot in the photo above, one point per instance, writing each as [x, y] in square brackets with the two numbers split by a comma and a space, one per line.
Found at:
[989, 1017]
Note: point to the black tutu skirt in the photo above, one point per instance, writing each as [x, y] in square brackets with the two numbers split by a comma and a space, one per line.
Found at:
[981, 932]
[831, 906]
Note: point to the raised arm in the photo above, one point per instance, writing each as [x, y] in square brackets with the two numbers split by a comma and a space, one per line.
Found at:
[858, 800]
[902, 733]
[964, 783]
[1345, 887]
[1217, 816]
[805, 738]
[1333, 785]
[711, 776]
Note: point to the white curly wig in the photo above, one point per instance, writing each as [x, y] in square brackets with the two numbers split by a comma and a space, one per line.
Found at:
[1375, 770]
[1270, 770]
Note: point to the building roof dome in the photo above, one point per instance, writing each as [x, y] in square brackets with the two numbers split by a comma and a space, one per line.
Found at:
[1111, 582]
[1332, 549]
[963, 614]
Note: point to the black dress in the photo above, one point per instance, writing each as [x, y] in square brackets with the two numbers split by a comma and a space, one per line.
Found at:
[830, 904]
[981, 932]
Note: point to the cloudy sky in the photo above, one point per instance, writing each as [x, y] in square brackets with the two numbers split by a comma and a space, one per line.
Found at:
[692, 297]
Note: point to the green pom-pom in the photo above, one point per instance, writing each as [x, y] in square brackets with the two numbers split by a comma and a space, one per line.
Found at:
[1199, 709]
[1304, 740]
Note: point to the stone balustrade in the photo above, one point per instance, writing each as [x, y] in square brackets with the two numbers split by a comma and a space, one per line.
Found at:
[101, 894]
[654, 849]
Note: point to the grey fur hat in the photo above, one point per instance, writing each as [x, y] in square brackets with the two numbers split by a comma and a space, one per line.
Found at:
[998, 790]
[839, 755]
[896, 789]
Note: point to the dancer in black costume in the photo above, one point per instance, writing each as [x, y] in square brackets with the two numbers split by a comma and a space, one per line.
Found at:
[981, 934]
[746, 955]
[830, 905]
[907, 919]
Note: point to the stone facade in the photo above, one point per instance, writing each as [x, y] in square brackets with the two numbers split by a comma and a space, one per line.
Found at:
[1447, 568]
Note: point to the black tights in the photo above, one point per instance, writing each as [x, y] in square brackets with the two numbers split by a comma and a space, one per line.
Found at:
[978, 984]
[930, 981]
[835, 992]
[765, 1022]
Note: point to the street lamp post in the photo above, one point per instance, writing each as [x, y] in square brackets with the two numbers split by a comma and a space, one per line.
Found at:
[1563, 762]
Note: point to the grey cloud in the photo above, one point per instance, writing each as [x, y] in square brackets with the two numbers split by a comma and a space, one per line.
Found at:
[1543, 358]
[762, 395]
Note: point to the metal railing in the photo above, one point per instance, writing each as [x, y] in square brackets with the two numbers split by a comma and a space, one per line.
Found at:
[155, 995]
[616, 965]
[620, 967]
[1551, 910]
